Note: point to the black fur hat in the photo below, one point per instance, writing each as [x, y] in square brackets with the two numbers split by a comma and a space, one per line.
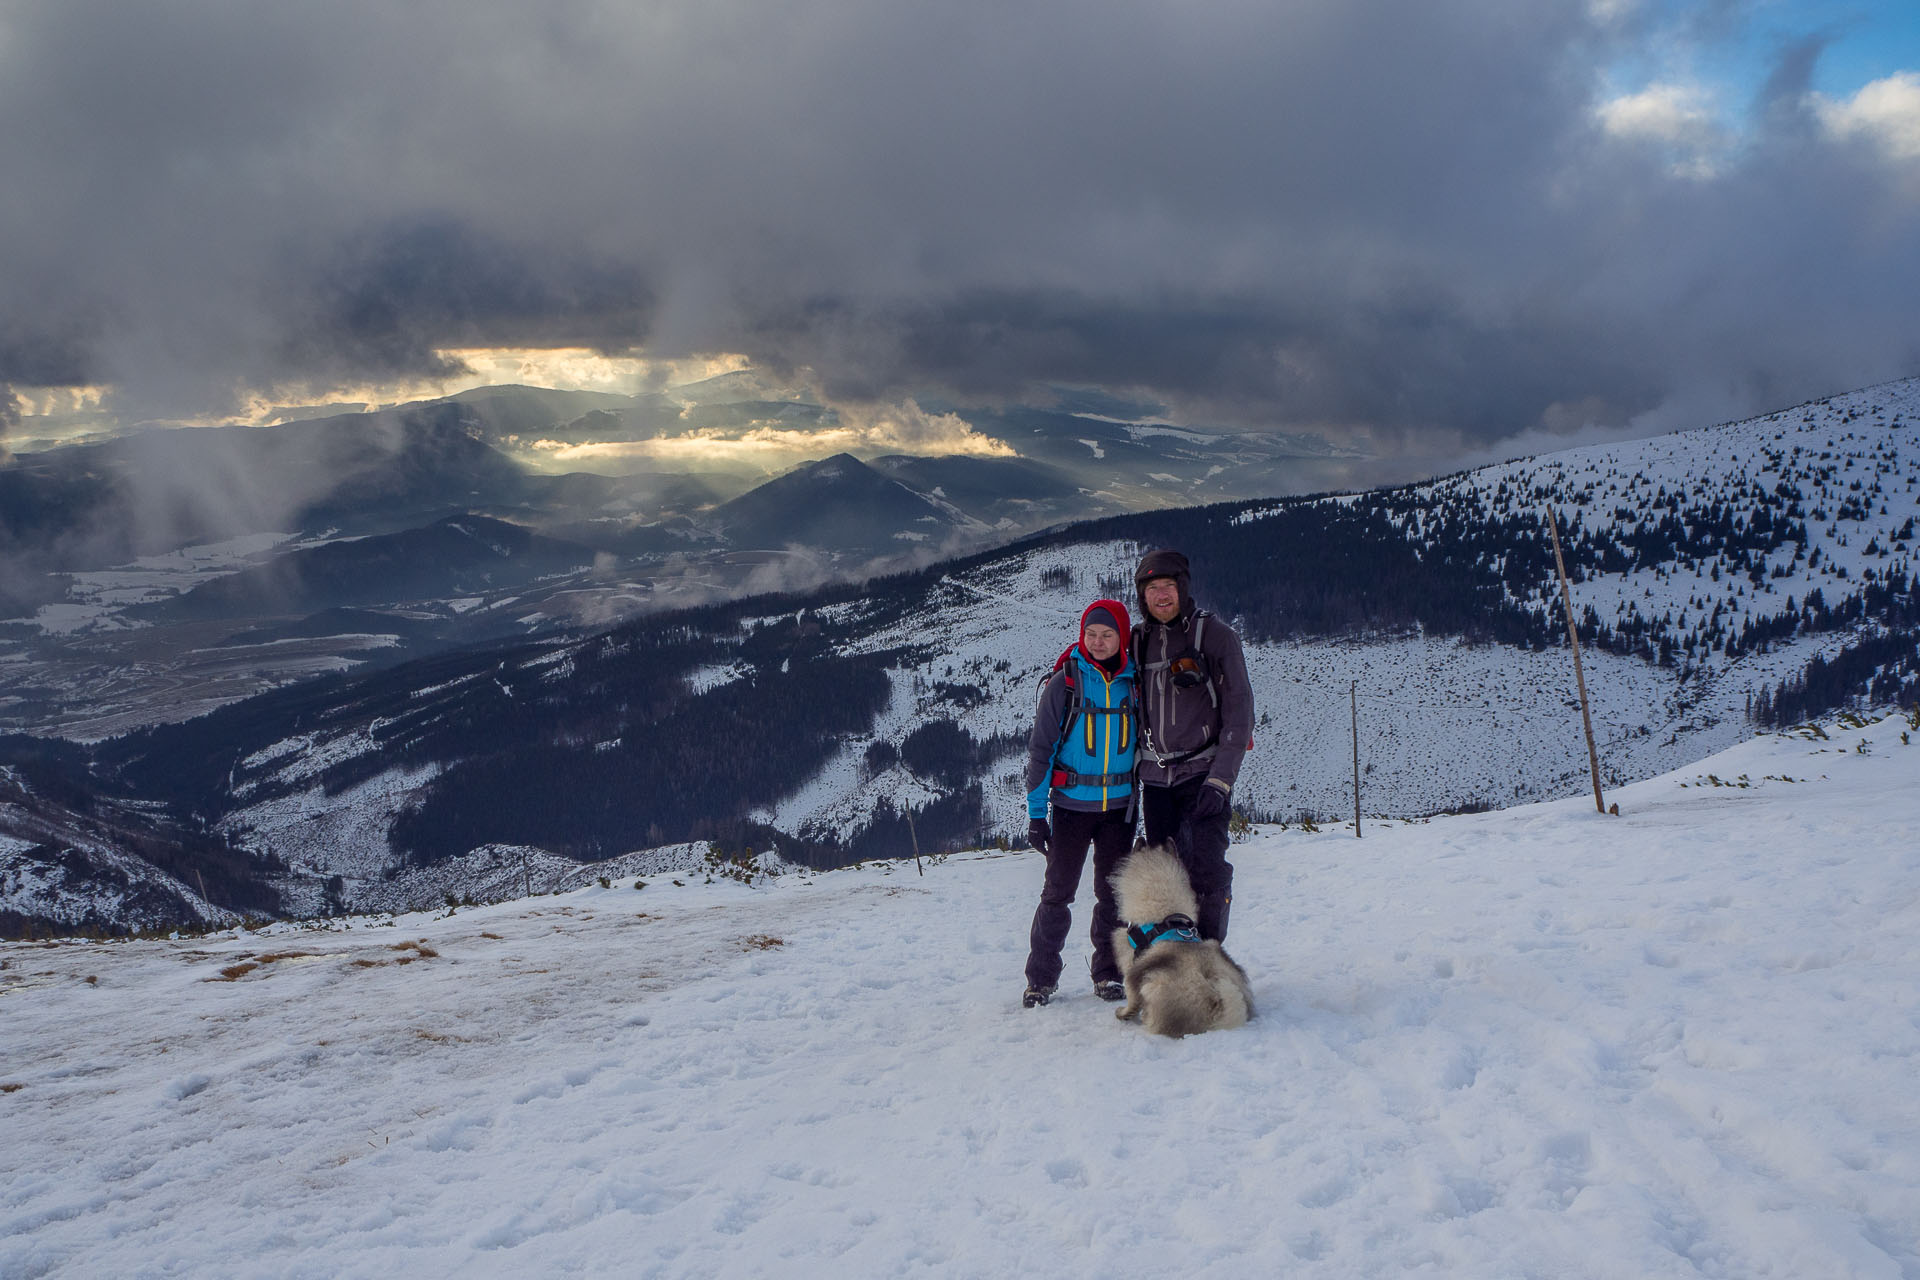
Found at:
[1163, 564]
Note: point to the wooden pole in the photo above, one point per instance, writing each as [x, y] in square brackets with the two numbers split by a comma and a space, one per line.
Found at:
[1579, 674]
[1353, 704]
[915, 837]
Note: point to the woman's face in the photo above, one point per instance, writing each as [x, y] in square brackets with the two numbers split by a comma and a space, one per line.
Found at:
[1102, 641]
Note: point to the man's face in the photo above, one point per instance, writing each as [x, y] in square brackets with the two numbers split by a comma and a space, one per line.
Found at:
[1102, 641]
[1163, 599]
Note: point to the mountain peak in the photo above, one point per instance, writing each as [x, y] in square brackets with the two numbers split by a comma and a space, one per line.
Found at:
[838, 503]
[838, 467]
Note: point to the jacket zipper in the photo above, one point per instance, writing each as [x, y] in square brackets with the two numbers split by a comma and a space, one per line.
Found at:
[1106, 758]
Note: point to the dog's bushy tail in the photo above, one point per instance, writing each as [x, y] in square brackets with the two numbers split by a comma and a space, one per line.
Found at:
[1152, 885]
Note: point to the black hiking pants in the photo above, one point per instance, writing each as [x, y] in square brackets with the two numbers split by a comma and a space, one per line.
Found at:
[1111, 836]
[1202, 845]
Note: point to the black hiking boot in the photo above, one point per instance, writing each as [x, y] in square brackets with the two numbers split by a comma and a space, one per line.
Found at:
[1035, 997]
[1111, 992]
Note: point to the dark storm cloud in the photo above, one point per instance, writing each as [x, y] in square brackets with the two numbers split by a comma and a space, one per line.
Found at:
[1394, 364]
[1394, 215]
[384, 306]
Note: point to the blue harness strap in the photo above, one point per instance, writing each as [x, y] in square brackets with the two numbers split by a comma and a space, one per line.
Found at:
[1175, 928]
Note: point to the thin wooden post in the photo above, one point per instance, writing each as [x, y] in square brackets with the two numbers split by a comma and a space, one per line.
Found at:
[1353, 705]
[915, 837]
[1579, 673]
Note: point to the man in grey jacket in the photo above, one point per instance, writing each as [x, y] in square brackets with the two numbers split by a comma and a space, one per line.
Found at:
[1197, 720]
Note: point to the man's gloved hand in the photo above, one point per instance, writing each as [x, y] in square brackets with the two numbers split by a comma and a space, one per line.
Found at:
[1039, 835]
[1211, 802]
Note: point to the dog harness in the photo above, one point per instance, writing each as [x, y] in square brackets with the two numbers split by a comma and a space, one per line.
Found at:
[1175, 928]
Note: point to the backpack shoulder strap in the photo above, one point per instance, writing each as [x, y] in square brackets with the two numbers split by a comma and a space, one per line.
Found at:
[1071, 707]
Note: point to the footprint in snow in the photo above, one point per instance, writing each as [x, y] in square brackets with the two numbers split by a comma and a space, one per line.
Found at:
[1067, 1173]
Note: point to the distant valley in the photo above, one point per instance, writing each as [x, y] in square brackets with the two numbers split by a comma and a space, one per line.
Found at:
[371, 537]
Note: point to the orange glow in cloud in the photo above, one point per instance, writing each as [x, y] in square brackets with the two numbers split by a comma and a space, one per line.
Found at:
[579, 369]
[907, 432]
[868, 428]
[556, 368]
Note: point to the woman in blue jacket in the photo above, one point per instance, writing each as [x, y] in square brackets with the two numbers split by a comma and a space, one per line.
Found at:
[1080, 759]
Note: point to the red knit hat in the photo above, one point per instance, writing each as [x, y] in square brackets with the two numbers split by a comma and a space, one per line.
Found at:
[1116, 618]
[1118, 613]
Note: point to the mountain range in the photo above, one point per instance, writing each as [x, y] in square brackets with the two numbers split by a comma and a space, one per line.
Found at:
[111, 551]
[1723, 579]
[90, 505]
[454, 557]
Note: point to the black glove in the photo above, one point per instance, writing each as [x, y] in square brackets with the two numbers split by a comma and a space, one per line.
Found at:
[1039, 835]
[1210, 803]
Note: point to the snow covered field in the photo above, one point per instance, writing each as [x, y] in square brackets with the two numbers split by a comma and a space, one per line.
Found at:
[95, 599]
[1538, 1042]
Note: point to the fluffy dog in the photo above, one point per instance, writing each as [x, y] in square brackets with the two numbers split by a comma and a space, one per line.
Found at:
[1176, 984]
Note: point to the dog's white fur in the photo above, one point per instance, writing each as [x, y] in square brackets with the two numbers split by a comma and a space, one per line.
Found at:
[1174, 988]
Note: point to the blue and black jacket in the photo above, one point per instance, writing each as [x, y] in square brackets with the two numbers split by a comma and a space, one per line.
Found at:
[1084, 743]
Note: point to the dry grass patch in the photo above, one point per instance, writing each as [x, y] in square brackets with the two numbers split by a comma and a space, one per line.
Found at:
[11, 1088]
[247, 964]
[415, 950]
[761, 942]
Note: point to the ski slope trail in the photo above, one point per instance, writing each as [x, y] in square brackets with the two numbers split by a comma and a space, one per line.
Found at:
[1681, 1042]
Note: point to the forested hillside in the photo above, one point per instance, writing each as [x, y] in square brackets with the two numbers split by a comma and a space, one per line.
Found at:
[1725, 580]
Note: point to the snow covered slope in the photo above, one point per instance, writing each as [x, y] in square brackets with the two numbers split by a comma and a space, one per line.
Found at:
[1690, 550]
[1710, 568]
[1676, 1043]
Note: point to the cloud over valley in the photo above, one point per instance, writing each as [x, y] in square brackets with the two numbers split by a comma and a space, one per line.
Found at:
[1407, 222]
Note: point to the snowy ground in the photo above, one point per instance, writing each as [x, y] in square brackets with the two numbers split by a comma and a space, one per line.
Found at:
[1540, 1042]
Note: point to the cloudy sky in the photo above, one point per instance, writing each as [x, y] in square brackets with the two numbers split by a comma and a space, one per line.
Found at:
[1440, 226]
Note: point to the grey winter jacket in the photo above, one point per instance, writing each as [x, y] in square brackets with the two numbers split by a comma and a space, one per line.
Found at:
[1178, 720]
